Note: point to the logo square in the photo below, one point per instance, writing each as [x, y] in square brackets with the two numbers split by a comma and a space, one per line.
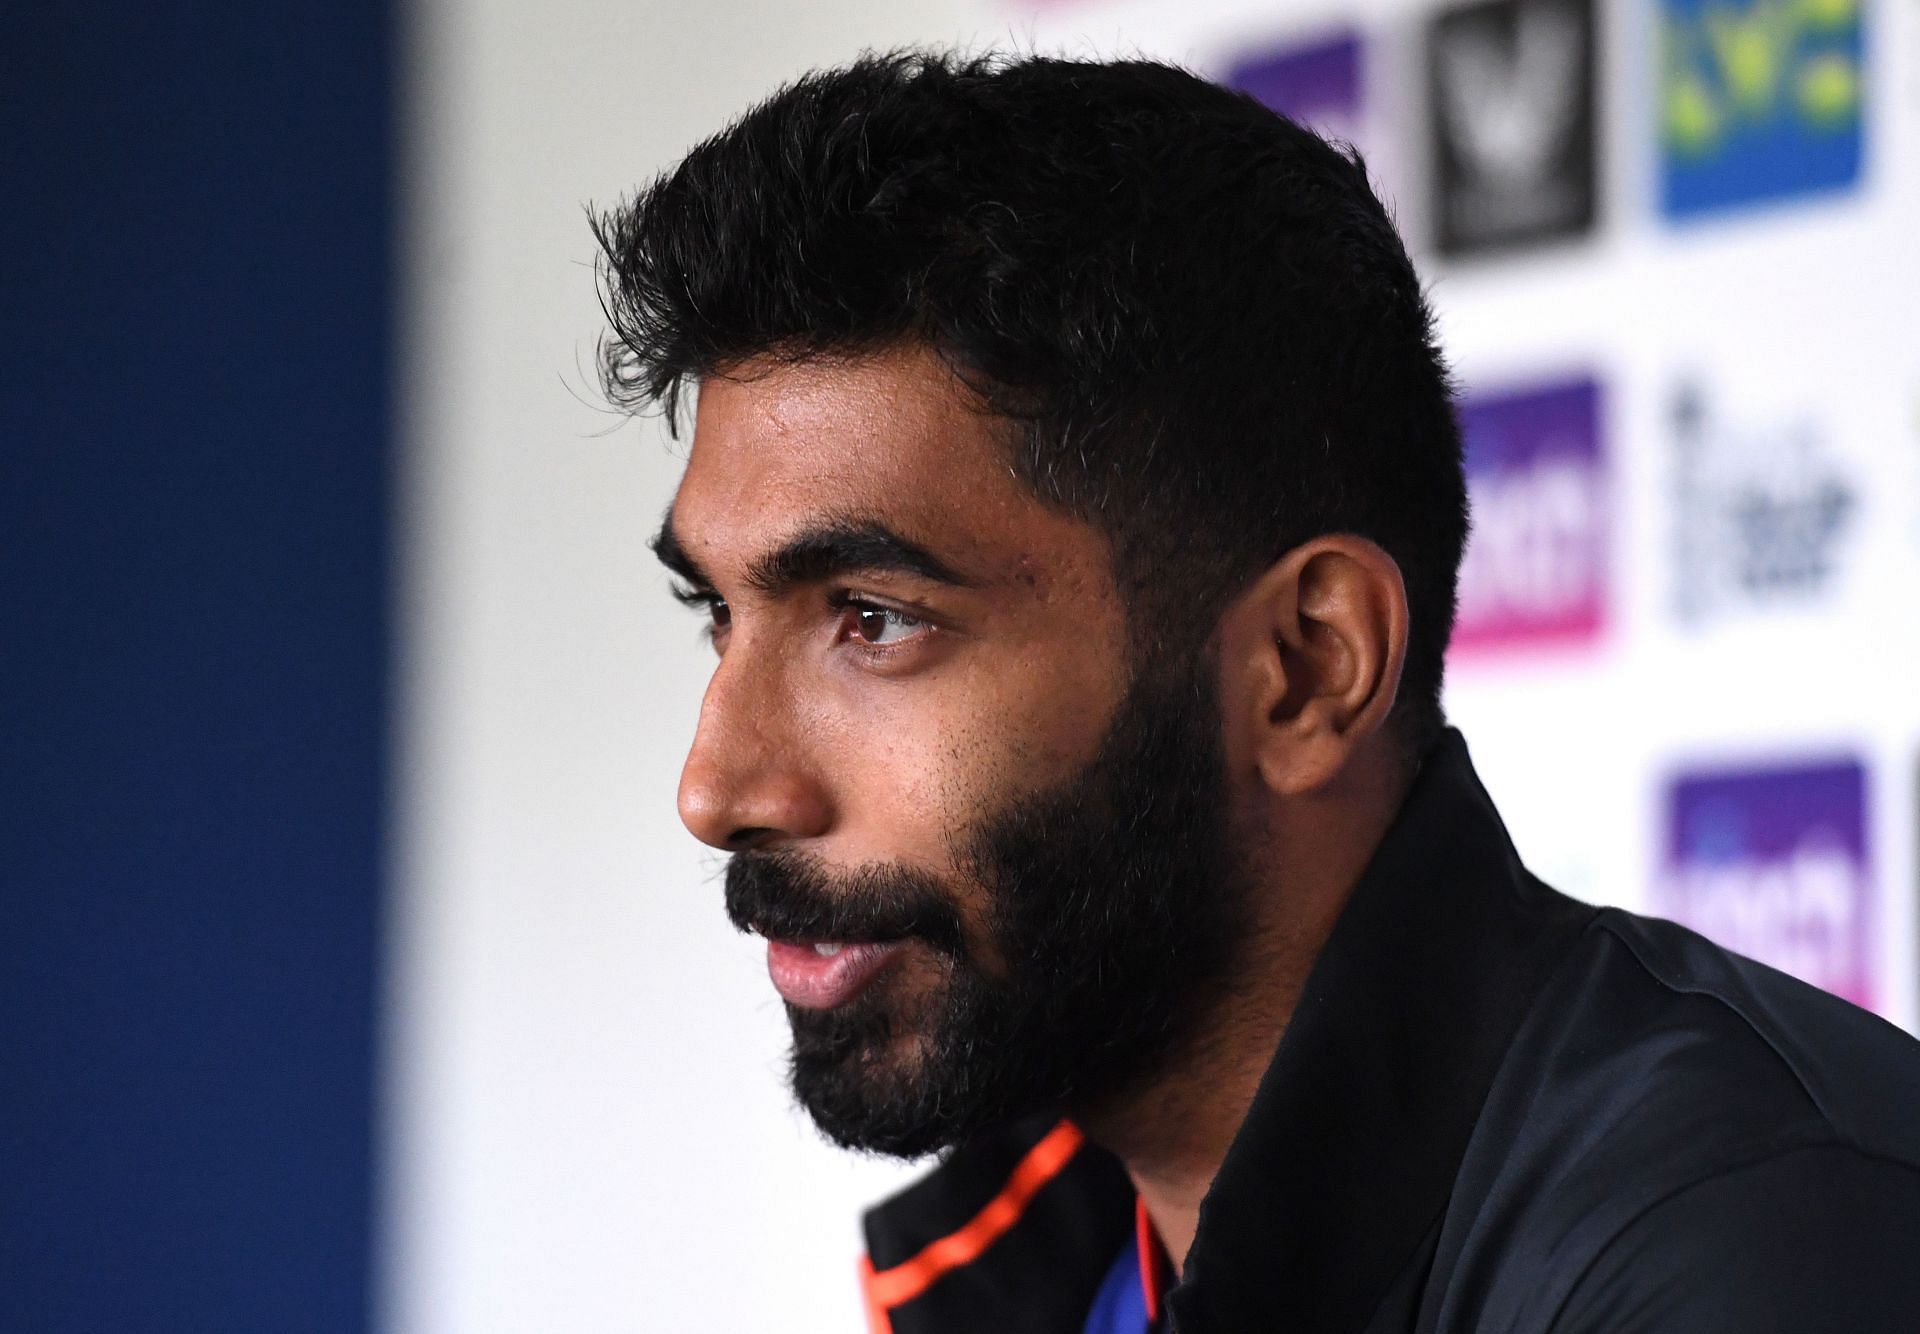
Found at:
[1759, 100]
[1772, 862]
[1511, 90]
[1536, 566]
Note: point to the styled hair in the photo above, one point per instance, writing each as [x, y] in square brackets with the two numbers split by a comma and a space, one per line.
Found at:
[1193, 317]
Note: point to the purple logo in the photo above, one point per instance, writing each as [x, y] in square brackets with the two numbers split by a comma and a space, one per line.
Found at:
[1772, 863]
[1318, 84]
[1535, 572]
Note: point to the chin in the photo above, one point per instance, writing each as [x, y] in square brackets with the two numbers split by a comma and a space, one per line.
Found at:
[888, 1097]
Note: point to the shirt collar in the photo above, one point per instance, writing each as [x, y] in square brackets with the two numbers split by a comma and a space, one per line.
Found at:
[1348, 1153]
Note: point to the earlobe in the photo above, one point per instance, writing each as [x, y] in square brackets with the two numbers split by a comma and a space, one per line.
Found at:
[1332, 633]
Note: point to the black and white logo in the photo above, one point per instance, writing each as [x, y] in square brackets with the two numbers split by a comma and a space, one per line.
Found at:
[1762, 512]
[1511, 98]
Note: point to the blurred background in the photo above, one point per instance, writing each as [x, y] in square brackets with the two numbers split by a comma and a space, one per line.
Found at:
[355, 973]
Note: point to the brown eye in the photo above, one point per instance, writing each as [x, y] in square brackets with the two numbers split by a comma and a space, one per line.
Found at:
[719, 615]
[882, 625]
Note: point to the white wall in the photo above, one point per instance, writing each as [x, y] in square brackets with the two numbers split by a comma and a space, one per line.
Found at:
[588, 1129]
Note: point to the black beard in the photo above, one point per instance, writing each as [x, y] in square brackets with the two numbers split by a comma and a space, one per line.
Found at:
[1113, 899]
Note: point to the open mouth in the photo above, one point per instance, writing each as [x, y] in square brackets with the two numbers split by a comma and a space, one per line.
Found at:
[822, 974]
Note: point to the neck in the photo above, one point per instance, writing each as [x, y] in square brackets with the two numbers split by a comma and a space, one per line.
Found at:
[1173, 1134]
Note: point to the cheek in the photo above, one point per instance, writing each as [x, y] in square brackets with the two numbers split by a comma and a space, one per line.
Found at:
[950, 751]
[911, 763]
[884, 750]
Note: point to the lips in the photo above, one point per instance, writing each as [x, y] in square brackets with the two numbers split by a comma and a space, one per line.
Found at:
[823, 975]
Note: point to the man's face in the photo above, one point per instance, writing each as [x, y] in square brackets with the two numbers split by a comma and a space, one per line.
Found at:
[986, 846]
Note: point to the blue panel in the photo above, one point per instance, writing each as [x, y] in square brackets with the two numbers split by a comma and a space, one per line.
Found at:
[1760, 100]
[193, 476]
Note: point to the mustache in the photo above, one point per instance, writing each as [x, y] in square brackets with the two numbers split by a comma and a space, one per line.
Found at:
[783, 895]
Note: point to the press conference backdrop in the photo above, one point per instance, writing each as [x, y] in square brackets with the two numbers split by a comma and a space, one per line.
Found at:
[354, 971]
[1672, 248]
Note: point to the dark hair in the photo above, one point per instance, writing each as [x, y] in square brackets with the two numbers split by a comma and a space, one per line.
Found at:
[1196, 319]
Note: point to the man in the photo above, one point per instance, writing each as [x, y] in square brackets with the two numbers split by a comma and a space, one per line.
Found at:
[1076, 500]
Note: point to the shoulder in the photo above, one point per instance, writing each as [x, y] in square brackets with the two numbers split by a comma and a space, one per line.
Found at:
[1663, 1102]
[1835, 1065]
[1822, 1236]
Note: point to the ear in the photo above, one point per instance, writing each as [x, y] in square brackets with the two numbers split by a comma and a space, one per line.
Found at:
[1312, 654]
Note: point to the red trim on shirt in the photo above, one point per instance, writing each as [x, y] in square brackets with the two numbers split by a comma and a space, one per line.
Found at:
[905, 1281]
[878, 1321]
[1146, 1242]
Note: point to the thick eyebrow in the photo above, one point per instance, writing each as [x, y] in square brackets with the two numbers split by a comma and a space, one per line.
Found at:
[814, 555]
[666, 545]
[840, 547]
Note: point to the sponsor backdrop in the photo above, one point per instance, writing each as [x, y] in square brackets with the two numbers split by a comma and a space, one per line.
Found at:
[507, 1069]
[1667, 242]
[1670, 244]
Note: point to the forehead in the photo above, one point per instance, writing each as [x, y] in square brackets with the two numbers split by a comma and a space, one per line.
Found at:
[892, 437]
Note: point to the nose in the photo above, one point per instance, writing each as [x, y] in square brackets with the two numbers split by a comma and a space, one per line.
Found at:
[746, 783]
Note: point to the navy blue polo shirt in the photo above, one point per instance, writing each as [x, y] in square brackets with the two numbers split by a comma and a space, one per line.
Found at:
[1493, 1108]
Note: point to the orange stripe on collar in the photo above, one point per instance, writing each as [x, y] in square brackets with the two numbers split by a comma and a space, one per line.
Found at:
[1147, 1243]
[893, 1287]
[878, 1321]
